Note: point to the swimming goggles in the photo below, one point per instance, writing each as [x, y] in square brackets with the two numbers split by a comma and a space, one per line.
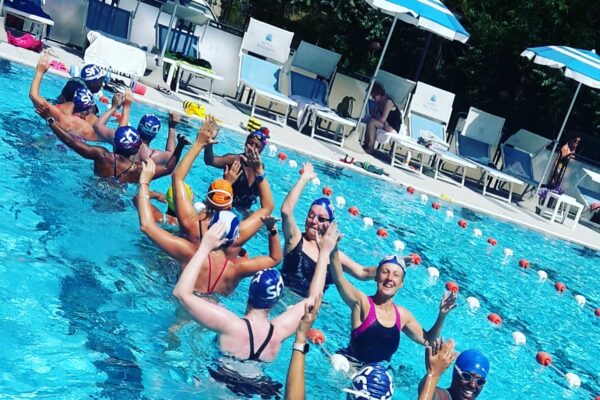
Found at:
[321, 218]
[469, 377]
[393, 260]
[220, 191]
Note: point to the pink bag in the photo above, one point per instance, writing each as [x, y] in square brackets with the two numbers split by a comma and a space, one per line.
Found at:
[27, 41]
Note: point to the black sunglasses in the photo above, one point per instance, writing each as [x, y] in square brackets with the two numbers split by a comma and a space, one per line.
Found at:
[320, 218]
[469, 377]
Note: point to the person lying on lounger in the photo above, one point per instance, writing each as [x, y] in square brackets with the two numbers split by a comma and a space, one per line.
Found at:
[83, 105]
[148, 128]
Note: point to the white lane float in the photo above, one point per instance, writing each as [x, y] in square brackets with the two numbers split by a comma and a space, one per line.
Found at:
[272, 150]
[449, 214]
[519, 338]
[424, 198]
[433, 272]
[572, 380]
[292, 164]
[508, 252]
[542, 275]
[316, 181]
[477, 232]
[340, 363]
[340, 202]
[473, 303]
[399, 245]
[581, 300]
[367, 222]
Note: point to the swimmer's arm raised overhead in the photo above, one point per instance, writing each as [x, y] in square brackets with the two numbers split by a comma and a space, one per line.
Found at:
[438, 357]
[42, 106]
[413, 329]
[291, 232]
[163, 170]
[250, 266]
[350, 295]
[217, 161]
[356, 270]
[105, 133]
[213, 316]
[127, 101]
[176, 247]
[288, 321]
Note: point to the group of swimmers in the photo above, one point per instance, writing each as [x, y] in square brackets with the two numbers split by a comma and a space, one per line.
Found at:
[209, 248]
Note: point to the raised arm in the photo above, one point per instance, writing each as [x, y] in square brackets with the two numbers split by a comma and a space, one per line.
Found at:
[438, 358]
[255, 264]
[291, 232]
[415, 331]
[294, 384]
[34, 91]
[356, 270]
[176, 247]
[287, 322]
[348, 292]
[127, 102]
[217, 161]
[105, 133]
[211, 315]
[162, 170]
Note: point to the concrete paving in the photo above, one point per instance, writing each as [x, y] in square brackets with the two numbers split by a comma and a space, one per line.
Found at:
[233, 115]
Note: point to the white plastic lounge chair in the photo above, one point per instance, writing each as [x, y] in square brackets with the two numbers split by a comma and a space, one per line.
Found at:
[590, 193]
[30, 11]
[262, 76]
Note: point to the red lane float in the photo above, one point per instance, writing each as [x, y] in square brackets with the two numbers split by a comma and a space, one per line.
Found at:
[597, 312]
[462, 223]
[494, 319]
[410, 189]
[316, 336]
[543, 358]
[282, 156]
[492, 241]
[435, 206]
[382, 232]
[353, 211]
[523, 263]
[452, 287]
[117, 116]
[560, 287]
[327, 191]
[301, 171]
[104, 100]
[415, 259]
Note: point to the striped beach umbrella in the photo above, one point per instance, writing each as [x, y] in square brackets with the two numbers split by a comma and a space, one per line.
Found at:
[580, 65]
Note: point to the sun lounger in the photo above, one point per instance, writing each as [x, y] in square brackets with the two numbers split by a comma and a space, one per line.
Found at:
[518, 163]
[30, 11]
[108, 19]
[194, 71]
[588, 194]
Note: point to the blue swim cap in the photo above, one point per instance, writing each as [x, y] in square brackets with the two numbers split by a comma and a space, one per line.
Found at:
[91, 72]
[260, 135]
[372, 382]
[232, 225]
[326, 204]
[265, 288]
[393, 260]
[83, 100]
[473, 361]
[149, 126]
[127, 141]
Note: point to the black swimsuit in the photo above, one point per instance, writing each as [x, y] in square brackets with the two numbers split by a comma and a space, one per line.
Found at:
[298, 270]
[244, 195]
[394, 118]
[120, 174]
[256, 355]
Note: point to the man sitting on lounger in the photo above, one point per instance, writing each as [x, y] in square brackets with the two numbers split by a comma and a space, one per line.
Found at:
[385, 115]
[148, 128]
[83, 105]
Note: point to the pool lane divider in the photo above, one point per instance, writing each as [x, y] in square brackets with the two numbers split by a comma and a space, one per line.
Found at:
[519, 339]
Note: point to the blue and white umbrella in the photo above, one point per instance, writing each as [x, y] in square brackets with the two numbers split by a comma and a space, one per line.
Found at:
[580, 65]
[430, 15]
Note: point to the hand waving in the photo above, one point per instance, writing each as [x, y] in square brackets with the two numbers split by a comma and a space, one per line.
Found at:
[309, 171]
[439, 356]
[309, 317]
[269, 221]
[43, 63]
[148, 170]
[448, 303]
[208, 132]
[252, 160]
[329, 241]
[232, 173]
[117, 100]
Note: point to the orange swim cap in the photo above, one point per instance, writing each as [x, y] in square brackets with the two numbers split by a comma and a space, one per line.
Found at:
[220, 194]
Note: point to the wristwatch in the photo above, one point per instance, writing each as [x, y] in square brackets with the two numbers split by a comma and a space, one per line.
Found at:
[273, 231]
[260, 178]
[301, 347]
[50, 120]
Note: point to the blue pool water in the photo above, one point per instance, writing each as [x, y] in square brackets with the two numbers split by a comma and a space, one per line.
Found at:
[85, 299]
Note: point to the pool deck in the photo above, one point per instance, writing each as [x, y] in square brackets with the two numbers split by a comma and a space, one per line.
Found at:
[232, 116]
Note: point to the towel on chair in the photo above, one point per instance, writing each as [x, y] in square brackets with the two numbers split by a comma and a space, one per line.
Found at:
[304, 109]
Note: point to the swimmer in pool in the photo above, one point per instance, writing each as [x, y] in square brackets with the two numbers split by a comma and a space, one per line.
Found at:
[249, 170]
[169, 217]
[468, 376]
[376, 321]
[148, 127]
[223, 269]
[301, 248]
[253, 336]
[191, 224]
[91, 77]
[122, 164]
[83, 105]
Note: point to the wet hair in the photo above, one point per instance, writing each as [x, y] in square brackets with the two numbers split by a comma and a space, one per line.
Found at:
[378, 89]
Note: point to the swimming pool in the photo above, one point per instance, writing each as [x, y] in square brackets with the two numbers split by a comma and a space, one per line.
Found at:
[86, 307]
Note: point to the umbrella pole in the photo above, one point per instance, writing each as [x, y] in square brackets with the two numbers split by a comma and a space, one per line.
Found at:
[166, 42]
[350, 141]
[562, 128]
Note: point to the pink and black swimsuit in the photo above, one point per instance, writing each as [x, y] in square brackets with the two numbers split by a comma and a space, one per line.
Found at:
[372, 342]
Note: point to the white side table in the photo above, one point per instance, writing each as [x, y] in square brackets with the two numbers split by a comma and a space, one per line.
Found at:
[562, 207]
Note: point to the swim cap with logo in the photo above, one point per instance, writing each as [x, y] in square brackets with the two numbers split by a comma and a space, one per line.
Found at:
[91, 72]
[149, 127]
[220, 194]
[473, 361]
[372, 382]
[232, 225]
[260, 135]
[170, 199]
[127, 141]
[393, 260]
[265, 289]
[83, 100]
[326, 204]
